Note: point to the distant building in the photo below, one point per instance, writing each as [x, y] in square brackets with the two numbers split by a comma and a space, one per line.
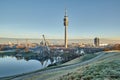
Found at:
[96, 42]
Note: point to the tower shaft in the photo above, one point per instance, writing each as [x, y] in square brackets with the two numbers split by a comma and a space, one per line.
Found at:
[66, 40]
[66, 26]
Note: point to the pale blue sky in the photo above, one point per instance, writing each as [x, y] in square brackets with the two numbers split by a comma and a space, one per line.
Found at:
[87, 18]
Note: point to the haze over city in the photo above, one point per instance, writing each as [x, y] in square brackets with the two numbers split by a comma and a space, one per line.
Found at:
[87, 18]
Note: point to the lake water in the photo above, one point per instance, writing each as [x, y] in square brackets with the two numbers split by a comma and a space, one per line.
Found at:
[10, 65]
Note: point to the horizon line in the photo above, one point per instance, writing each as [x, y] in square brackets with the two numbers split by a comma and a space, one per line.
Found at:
[59, 38]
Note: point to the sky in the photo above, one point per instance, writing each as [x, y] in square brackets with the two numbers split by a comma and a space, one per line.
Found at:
[33, 18]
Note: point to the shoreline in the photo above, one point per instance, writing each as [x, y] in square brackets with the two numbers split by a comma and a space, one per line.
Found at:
[43, 70]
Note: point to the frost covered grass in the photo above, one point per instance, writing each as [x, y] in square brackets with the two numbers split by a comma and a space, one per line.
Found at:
[108, 68]
[80, 59]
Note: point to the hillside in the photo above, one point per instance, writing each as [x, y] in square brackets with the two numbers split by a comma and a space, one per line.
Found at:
[107, 68]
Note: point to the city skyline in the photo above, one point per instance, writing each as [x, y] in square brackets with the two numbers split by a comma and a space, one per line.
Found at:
[33, 18]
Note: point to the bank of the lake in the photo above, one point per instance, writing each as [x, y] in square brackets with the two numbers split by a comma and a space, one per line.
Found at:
[75, 61]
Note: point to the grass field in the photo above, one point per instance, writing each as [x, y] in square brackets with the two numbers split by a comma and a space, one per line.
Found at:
[107, 68]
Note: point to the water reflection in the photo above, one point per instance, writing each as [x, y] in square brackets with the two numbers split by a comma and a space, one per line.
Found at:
[12, 64]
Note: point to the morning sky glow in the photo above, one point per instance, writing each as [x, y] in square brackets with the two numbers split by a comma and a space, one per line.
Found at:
[87, 18]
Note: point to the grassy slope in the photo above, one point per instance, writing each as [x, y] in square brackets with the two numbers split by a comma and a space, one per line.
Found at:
[80, 59]
[108, 68]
